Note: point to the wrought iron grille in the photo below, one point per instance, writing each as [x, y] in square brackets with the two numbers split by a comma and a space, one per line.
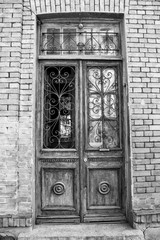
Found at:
[69, 41]
[103, 108]
[59, 107]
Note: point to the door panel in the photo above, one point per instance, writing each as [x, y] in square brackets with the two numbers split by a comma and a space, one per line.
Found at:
[103, 188]
[58, 191]
[103, 155]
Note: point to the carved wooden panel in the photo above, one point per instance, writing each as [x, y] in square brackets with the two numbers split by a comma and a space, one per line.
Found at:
[58, 189]
[103, 188]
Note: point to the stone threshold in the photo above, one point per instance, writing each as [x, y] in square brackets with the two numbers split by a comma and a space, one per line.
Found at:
[101, 231]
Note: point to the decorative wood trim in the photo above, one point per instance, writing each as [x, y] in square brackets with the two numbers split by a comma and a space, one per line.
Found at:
[50, 160]
[78, 57]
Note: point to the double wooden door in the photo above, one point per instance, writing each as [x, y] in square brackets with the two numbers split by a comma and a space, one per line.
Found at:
[79, 172]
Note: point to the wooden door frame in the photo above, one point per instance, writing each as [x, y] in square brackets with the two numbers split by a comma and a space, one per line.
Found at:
[126, 142]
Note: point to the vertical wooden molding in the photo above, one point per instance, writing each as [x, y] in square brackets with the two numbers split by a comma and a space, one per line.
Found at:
[35, 69]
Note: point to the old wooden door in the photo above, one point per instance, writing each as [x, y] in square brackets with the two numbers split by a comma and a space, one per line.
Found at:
[80, 166]
[79, 150]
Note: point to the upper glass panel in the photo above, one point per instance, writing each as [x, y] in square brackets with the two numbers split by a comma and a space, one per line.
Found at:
[80, 38]
[59, 107]
[103, 108]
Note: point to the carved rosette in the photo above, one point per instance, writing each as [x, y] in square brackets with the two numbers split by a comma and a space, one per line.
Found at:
[58, 188]
[104, 187]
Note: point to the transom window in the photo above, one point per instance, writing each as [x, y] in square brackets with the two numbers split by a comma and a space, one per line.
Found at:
[80, 38]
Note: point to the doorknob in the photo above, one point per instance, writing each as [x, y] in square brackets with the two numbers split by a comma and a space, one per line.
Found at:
[85, 159]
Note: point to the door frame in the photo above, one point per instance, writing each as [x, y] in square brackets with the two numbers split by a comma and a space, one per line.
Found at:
[40, 59]
[81, 125]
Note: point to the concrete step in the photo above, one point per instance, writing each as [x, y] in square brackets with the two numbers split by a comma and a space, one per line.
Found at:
[83, 232]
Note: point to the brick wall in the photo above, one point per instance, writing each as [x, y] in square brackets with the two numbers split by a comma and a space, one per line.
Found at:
[42, 6]
[11, 28]
[17, 102]
[143, 46]
[16, 150]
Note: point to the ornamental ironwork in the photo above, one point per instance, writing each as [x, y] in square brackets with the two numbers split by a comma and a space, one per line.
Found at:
[71, 41]
[59, 107]
[103, 108]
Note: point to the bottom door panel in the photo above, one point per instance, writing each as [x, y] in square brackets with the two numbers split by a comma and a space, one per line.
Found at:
[103, 190]
[59, 187]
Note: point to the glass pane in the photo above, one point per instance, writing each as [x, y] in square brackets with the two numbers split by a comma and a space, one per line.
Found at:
[95, 106]
[95, 134]
[101, 41]
[110, 108]
[109, 79]
[69, 41]
[94, 79]
[59, 107]
[110, 134]
[53, 41]
[91, 42]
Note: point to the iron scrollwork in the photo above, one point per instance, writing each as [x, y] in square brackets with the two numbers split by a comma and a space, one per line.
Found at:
[103, 105]
[59, 107]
